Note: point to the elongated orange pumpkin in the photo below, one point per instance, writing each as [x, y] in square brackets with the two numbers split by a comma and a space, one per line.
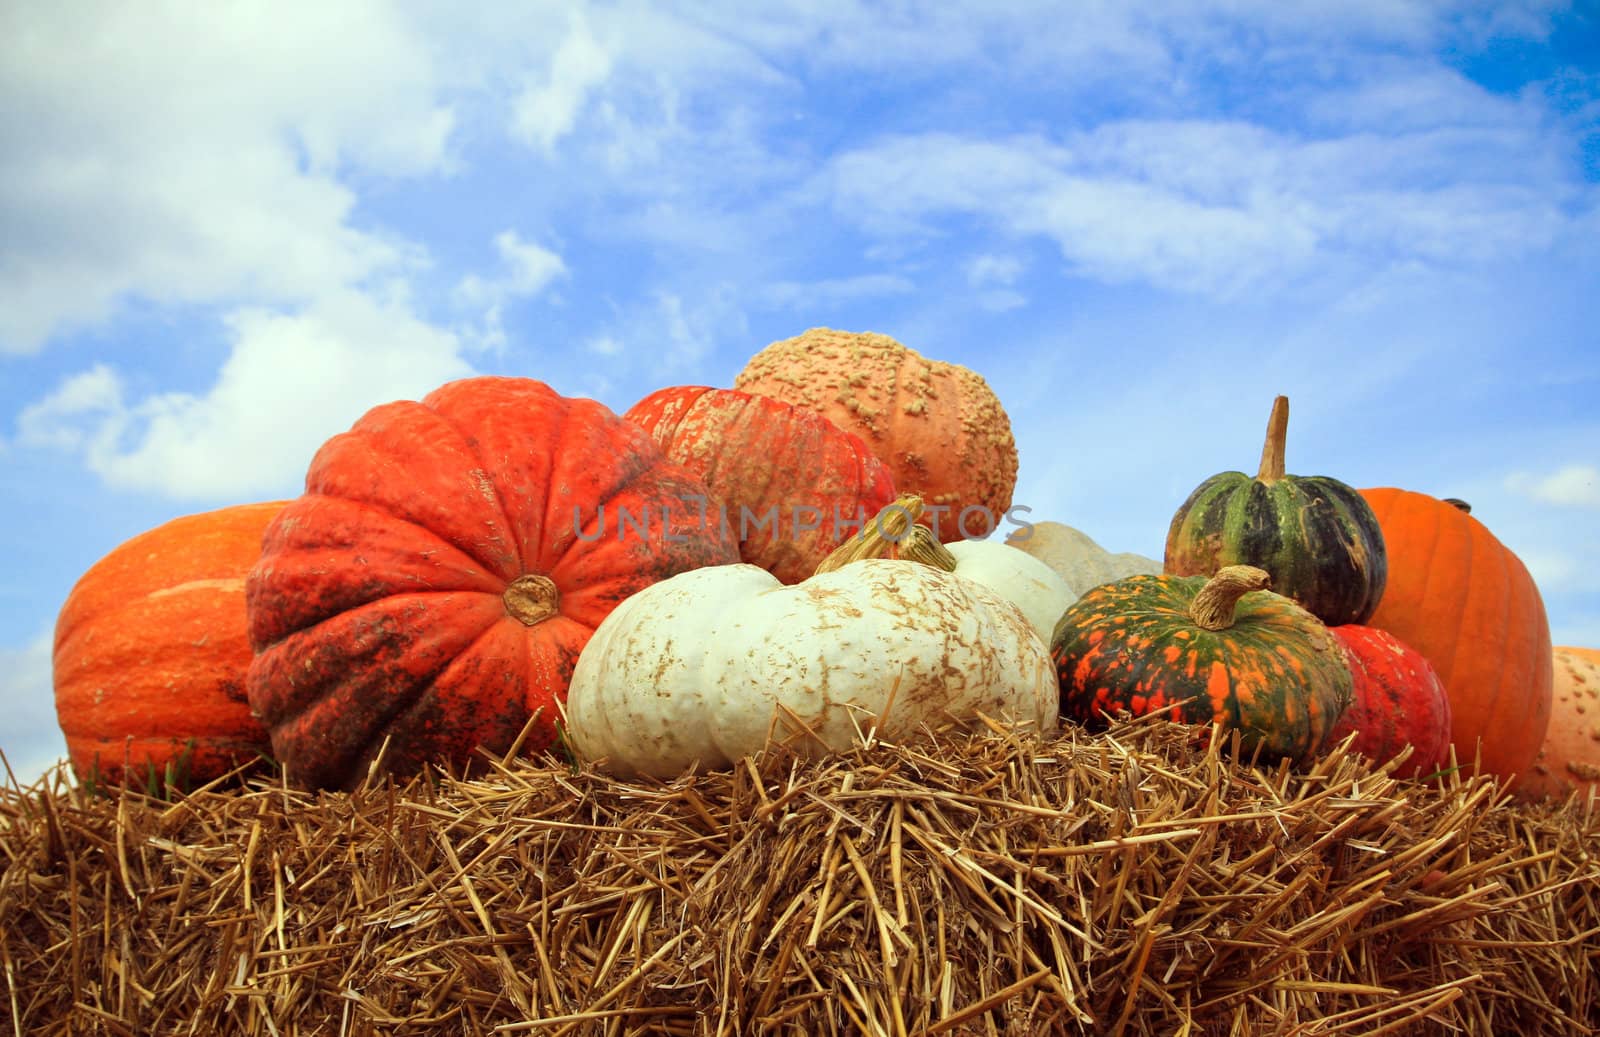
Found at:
[429, 593]
[1464, 600]
[152, 649]
[938, 426]
[790, 484]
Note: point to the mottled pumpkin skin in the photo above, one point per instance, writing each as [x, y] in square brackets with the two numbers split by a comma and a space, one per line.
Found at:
[1315, 535]
[386, 602]
[1276, 675]
[1399, 701]
[790, 483]
[152, 648]
[938, 426]
[1569, 760]
[1466, 602]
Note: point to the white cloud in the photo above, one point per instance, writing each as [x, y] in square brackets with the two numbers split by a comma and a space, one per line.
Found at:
[291, 381]
[1221, 208]
[58, 420]
[547, 109]
[988, 269]
[832, 291]
[528, 270]
[186, 153]
[1000, 300]
[1575, 485]
[32, 741]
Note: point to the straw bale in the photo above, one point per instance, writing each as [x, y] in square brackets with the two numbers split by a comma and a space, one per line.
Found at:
[1130, 882]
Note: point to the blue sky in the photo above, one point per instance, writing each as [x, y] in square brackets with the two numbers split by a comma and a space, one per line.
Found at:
[227, 231]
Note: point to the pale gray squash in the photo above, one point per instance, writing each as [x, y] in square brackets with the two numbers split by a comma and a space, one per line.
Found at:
[1074, 554]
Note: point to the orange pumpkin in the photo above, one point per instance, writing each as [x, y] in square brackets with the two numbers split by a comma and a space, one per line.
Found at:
[1464, 600]
[151, 652]
[1570, 759]
[938, 426]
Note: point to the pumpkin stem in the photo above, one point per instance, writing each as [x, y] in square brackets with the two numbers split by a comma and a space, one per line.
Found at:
[1459, 504]
[893, 533]
[1214, 605]
[1277, 437]
[531, 599]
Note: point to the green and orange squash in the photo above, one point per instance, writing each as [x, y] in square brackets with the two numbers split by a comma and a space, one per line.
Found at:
[151, 653]
[1314, 535]
[1222, 650]
[427, 597]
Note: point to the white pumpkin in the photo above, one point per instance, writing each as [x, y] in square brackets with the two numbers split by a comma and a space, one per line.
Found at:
[1038, 590]
[699, 669]
[1077, 558]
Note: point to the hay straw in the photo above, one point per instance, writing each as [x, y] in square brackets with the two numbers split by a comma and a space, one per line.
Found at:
[981, 883]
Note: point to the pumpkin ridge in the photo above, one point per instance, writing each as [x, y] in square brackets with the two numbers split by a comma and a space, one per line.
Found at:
[474, 447]
[603, 530]
[383, 437]
[642, 462]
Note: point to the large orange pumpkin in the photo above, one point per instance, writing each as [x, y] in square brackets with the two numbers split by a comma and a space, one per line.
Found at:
[1570, 758]
[1464, 600]
[151, 652]
[938, 426]
[429, 593]
[790, 484]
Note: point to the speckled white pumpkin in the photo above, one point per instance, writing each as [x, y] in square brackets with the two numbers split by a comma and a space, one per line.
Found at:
[700, 668]
[1038, 590]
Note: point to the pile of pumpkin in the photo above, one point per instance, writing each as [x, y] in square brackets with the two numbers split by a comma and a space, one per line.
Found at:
[498, 568]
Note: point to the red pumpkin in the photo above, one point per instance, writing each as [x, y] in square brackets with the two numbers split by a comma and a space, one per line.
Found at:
[1459, 596]
[790, 484]
[447, 563]
[1398, 701]
[151, 652]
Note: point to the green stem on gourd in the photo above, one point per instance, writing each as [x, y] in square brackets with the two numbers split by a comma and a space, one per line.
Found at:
[893, 533]
[1214, 605]
[1277, 437]
[1459, 504]
[531, 599]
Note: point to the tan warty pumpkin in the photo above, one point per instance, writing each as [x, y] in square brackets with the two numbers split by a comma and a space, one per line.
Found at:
[938, 426]
[1569, 761]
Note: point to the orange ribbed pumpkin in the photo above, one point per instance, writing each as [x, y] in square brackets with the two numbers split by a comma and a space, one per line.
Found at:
[789, 484]
[938, 426]
[1464, 600]
[152, 648]
[1570, 759]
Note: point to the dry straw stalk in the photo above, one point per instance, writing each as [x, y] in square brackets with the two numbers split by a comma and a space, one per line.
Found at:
[1132, 882]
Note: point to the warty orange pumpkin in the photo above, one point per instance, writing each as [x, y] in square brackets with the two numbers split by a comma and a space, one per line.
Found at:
[938, 426]
[790, 484]
[1569, 760]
